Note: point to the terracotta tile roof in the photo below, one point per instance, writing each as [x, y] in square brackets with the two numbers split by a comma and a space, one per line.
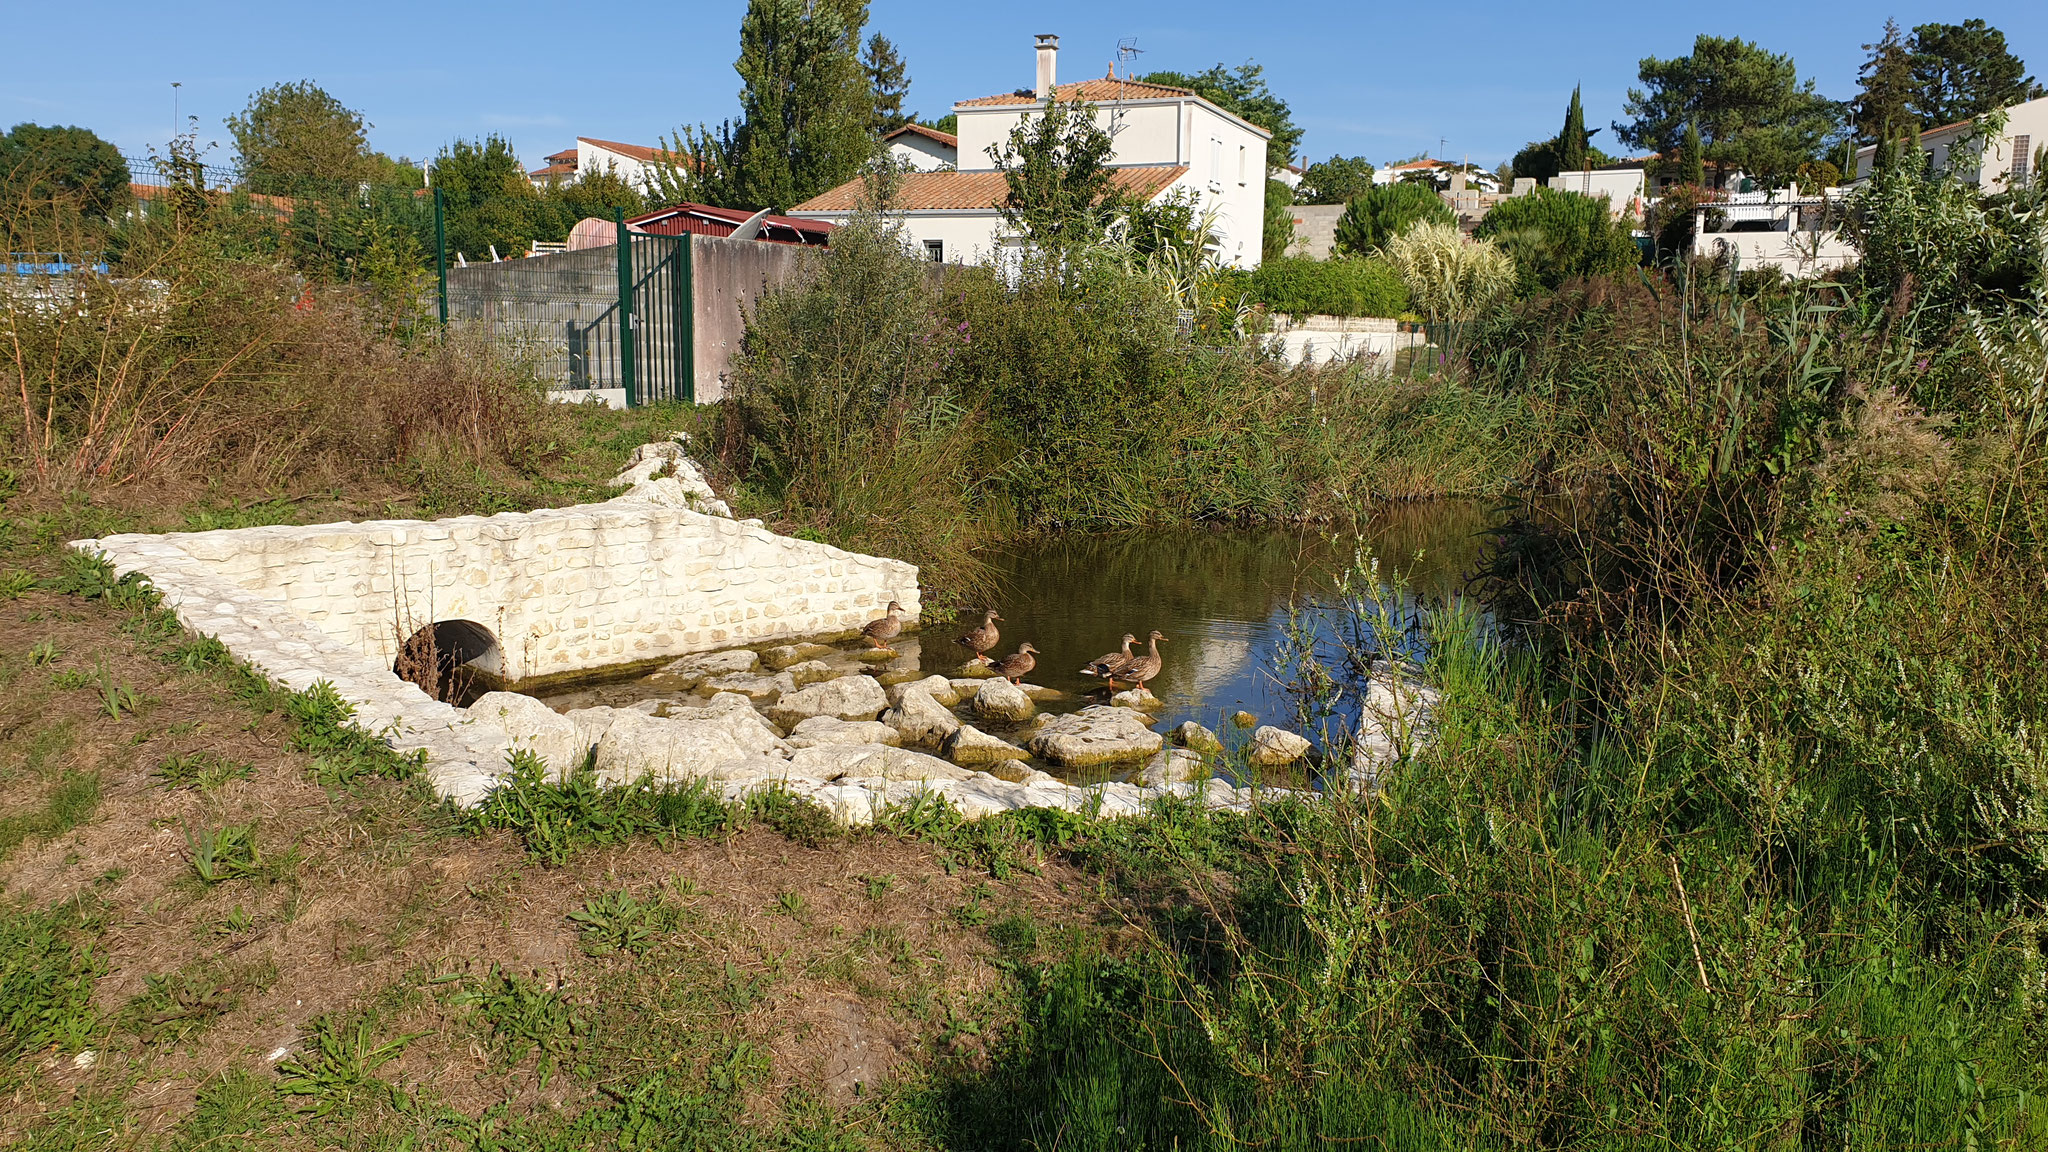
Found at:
[638, 152]
[946, 138]
[565, 156]
[1093, 91]
[552, 171]
[942, 191]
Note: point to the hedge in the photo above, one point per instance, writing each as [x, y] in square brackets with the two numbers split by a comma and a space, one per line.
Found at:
[1343, 287]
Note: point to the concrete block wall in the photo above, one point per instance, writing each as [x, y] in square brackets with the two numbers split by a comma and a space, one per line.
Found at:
[562, 590]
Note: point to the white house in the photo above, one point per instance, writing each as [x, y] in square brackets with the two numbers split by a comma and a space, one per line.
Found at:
[1996, 164]
[923, 149]
[1622, 184]
[1168, 142]
[635, 162]
[1798, 235]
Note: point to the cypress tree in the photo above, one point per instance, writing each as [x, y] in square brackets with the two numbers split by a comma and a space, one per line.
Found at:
[1692, 157]
[1571, 140]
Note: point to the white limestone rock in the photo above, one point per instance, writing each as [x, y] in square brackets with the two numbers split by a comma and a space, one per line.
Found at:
[1018, 772]
[999, 699]
[984, 795]
[922, 720]
[1139, 698]
[940, 689]
[783, 656]
[831, 762]
[1394, 723]
[806, 672]
[1095, 735]
[821, 730]
[1041, 693]
[1193, 736]
[535, 727]
[973, 748]
[756, 688]
[715, 745]
[694, 670]
[847, 698]
[1172, 766]
[591, 725]
[1272, 747]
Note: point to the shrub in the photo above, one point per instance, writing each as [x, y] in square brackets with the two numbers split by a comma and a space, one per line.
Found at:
[1450, 279]
[1301, 287]
[1554, 236]
[1385, 211]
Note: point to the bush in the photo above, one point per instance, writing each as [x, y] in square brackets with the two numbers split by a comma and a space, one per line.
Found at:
[1300, 287]
[1385, 211]
[1555, 236]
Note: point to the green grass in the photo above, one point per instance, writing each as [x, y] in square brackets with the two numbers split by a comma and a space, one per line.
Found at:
[72, 800]
[47, 969]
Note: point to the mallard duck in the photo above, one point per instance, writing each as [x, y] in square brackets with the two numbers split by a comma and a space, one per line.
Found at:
[1143, 668]
[880, 632]
[1018, 664]
[1107, 666]
[983, 638]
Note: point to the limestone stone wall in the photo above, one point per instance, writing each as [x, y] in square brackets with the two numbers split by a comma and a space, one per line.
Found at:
[562, 590]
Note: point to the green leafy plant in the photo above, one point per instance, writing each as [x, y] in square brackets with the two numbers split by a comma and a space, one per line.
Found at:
[1353, 287]
[71, 679]
[339, 1068]
[44, 653]
[204, 770]
[222, 854]
[176, 1007]
[117, 699]
[15, 582]
[523, 1017]
[617, 922]
[555, 819]
[792, 904]
[1384, 211]
[878, 886]
[47, 969]
[343, 754]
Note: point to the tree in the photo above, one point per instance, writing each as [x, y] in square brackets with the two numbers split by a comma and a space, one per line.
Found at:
[1056, 164]
[1278, 232]
[889, 77]
[1882, 107]
[1558, 235]
[1384, 212]
[1573, 138]
[1752, 110]
[1335, 181]
[949, 123]
[1961, 71]
[66, 169]
[488, 200]
[1692, 157]
[1568, 151]
[1242, 91]
[597, 194]
[292, 134]
[806, 109]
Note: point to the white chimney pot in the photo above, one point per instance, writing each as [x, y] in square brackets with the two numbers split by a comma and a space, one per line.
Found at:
[1048, 59]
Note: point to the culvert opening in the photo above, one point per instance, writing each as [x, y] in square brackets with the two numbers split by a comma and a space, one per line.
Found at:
[451, 660]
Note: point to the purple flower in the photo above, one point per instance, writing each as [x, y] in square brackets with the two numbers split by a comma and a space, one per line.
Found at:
[963, 326]
[1921, 364]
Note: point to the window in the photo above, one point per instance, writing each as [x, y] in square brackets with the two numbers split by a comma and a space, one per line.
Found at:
[935, 251]
[1240, 165]
[1215, 164]
[2022, 161]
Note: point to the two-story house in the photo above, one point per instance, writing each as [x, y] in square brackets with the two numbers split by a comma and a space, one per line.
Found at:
[1167, 142]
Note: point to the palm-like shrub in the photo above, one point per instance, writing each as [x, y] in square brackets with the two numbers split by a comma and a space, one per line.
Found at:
[1385, 211]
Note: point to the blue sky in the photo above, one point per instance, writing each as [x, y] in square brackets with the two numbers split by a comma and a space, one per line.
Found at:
[1384, 80]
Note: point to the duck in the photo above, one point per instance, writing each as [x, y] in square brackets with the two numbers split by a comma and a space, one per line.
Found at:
[1018, 664]
[1143, 668]
[880, 632]
[1106, 666]
[983, 638]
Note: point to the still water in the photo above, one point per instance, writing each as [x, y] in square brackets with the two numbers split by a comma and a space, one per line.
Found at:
[1229, 601]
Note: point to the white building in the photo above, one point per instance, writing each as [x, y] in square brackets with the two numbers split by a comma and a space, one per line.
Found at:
[1798, 235]
[637, 163]
[2002, 162]
[1622, 184]
[923, 149]
[1168, 142]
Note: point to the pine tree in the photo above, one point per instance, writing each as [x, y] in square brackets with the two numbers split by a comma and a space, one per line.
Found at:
[1692, 157]
[805, 113]
[1887, 82]
[889, 77]
[1572, 138]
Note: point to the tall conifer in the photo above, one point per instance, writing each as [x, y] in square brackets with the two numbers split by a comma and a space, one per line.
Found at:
[1571, 140]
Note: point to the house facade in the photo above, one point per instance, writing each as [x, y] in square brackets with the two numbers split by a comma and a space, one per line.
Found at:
[1622, 184]
[921, 149]
[636, 163]
[2008, 160]
[1168, 143]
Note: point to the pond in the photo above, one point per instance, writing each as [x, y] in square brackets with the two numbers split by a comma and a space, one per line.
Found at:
[1226, 599]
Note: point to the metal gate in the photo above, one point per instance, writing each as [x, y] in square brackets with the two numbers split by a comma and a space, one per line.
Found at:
[614, 318]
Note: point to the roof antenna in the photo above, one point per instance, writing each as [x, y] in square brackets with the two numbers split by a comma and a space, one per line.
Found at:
[1127, 50]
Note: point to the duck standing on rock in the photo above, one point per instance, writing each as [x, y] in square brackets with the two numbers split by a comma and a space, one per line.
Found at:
[1145, 667]
[1109, 665]
[880, 632]
[1018, 664]
[983, 638]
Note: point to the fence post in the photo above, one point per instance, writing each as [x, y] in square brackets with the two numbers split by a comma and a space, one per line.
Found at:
[686, 316]
[627, 373]
[441, 252]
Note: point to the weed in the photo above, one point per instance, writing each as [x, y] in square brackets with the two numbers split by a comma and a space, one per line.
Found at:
[973, 913]
[524, 1016]
[15, 582]
[177, 1007]
[339, 1070]
[555, 820]
[71, 679]
[201, 653]
[47, 969]
[740, 990]
[44, 654]
[222, 854]
[117, 699]
[204, 770]
[343, 753]
[796, 817]
[792, 904]
[237, 921]
[1015, 933]
[72, 802]
[617, 922]
[878, 886]
[235, 1112]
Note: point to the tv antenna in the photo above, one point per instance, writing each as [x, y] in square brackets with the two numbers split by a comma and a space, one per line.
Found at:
[1127, 50]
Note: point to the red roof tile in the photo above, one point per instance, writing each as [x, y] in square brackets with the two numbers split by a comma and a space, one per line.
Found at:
[638, 152]
[942, 191]
[946, 138]
[1093, 91]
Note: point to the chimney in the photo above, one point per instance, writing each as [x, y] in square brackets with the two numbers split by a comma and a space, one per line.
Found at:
[1048, 57]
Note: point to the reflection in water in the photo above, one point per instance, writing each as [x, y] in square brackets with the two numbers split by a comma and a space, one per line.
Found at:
[1223, 598]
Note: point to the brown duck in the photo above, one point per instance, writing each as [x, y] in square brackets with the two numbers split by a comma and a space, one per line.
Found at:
[880, 632]
[1018, 664]
[1145, 667]
[983, 638]
[1109, 665]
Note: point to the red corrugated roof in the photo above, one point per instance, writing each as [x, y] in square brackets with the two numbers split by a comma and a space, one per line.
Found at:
[944, 191]
[732, 216]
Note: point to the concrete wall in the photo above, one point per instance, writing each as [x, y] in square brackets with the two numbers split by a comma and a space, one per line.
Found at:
[1798, 254]
[563, 590]
[1328, 339]
[728, 276]
[1315, 230]
[922, 153]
